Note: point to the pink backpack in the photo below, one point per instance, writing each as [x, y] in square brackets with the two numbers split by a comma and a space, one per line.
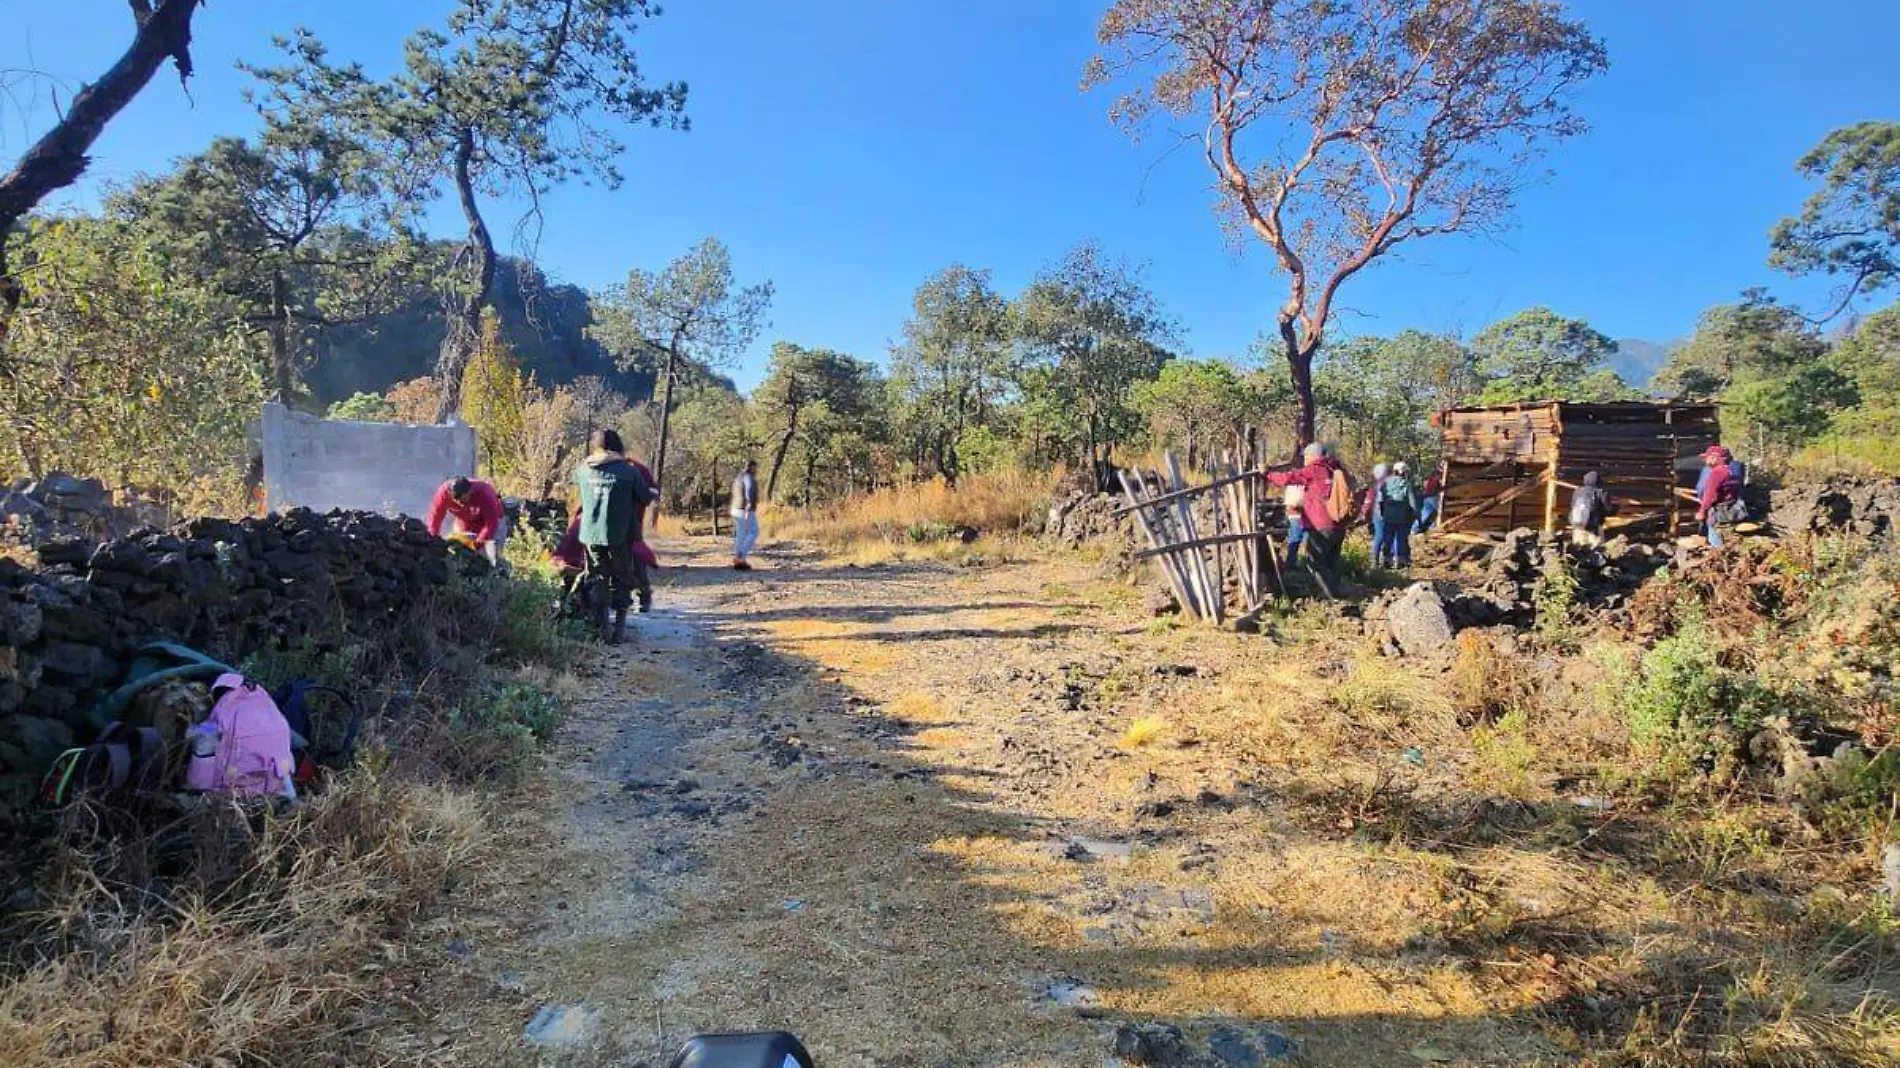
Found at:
[243, 746]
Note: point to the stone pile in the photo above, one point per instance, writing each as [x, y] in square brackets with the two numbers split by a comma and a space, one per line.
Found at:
[1606, 577]
[62, 506]
[1078, 518]
[1867, 507]
[68, 629]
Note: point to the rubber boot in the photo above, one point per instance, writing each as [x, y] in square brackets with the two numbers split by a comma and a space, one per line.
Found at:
[619, 634]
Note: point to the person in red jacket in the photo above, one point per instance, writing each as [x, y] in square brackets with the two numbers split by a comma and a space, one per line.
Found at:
[1322, 533]
[1720, 490]
[477, 511]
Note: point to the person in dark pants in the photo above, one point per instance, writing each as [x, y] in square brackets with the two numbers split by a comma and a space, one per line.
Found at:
[1589, 507]
[610, 492]
[1323, 532]
[1398, 505]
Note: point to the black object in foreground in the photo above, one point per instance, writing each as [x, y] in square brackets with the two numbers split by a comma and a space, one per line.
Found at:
[766, 1049]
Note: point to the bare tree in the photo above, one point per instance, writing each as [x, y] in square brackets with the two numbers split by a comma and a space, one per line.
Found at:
[1338, 130]
[692, 313]
[59, 157]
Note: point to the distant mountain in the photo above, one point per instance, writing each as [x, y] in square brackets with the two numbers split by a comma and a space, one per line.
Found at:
[1636, 361]
[544, 322]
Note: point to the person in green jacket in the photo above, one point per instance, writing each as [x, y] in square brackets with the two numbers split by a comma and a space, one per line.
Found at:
[612, 493]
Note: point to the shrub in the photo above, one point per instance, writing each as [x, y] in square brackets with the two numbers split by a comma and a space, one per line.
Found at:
[1485, 684]
[1683, 703]
[1555, 600]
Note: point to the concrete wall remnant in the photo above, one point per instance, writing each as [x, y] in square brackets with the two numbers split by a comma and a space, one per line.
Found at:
[391, 468]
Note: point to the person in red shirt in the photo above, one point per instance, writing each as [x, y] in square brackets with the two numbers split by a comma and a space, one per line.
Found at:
[1720, 489]
[477, 511]
[1323, 534]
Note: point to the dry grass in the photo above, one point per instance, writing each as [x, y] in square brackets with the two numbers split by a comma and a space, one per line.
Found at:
[249, 965]
[920, 512]
[1143, 730]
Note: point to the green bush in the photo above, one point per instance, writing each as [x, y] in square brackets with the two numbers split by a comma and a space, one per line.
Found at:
[1555, 601]
[493, 732]
[1684, 704]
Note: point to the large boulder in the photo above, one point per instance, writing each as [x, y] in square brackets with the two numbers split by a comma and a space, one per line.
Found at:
[1419, 620]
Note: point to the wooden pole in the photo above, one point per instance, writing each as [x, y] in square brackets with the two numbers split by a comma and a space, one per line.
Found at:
[1213, 595]
[1156, 542]
[1550, 499]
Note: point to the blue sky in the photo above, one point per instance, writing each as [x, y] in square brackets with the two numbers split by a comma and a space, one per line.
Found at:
[845, 149]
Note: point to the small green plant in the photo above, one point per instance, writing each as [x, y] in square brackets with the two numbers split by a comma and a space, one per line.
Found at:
[1160, 625]
[494, 731]
[1555, 600]
[342, 666]
[1506, 751]
[1716, 846]
[1683, 703]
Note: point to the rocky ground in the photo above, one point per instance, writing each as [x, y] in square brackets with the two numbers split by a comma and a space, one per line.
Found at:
[928, 815]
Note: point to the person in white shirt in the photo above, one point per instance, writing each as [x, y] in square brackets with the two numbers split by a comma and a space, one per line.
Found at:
[745, 515]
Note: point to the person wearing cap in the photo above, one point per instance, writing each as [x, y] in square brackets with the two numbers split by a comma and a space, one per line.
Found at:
[1321, 532]
[475, 509]
[1397, 510]
[1717, 492]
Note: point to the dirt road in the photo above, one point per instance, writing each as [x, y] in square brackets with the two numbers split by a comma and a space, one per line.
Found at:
[901, 811]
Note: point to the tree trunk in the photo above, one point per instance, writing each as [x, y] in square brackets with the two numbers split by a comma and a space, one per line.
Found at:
[283, 378]
[778, 457]
[666, 419]
[57, 159]
[465, 323]
[811, 465]
[715, 497]
[1299, 361]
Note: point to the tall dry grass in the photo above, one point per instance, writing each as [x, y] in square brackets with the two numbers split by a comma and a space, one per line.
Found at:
[210, 932]
[999, 504]
[256, 958]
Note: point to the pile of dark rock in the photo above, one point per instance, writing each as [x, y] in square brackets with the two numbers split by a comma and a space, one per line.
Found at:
[69, 628]
[1606, 577]
[1080, 518]
[1868, 507]
[62, 506]
[1425, 617]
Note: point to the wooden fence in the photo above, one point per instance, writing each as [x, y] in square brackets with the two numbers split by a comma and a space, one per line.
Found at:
[1198, 563]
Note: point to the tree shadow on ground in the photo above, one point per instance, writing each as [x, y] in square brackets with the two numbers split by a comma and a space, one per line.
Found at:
[899, 908]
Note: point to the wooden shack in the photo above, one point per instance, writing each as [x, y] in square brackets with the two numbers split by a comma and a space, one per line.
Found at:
[1516, 465]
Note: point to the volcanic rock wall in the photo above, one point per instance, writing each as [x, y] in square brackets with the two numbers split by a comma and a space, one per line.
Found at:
[68, 629]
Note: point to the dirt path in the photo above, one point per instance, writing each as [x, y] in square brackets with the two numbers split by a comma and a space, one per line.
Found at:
[899, 811]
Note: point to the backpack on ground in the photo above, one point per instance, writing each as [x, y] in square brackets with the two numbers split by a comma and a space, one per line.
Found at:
[317, 745]
[244, 744]
[123, 758]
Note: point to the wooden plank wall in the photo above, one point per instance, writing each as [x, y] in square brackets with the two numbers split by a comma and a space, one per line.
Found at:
[1644, 454]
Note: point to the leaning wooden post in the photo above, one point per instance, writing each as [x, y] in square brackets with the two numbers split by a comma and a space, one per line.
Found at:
[1170, 518]
[1139, 510]
[1214, 590]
